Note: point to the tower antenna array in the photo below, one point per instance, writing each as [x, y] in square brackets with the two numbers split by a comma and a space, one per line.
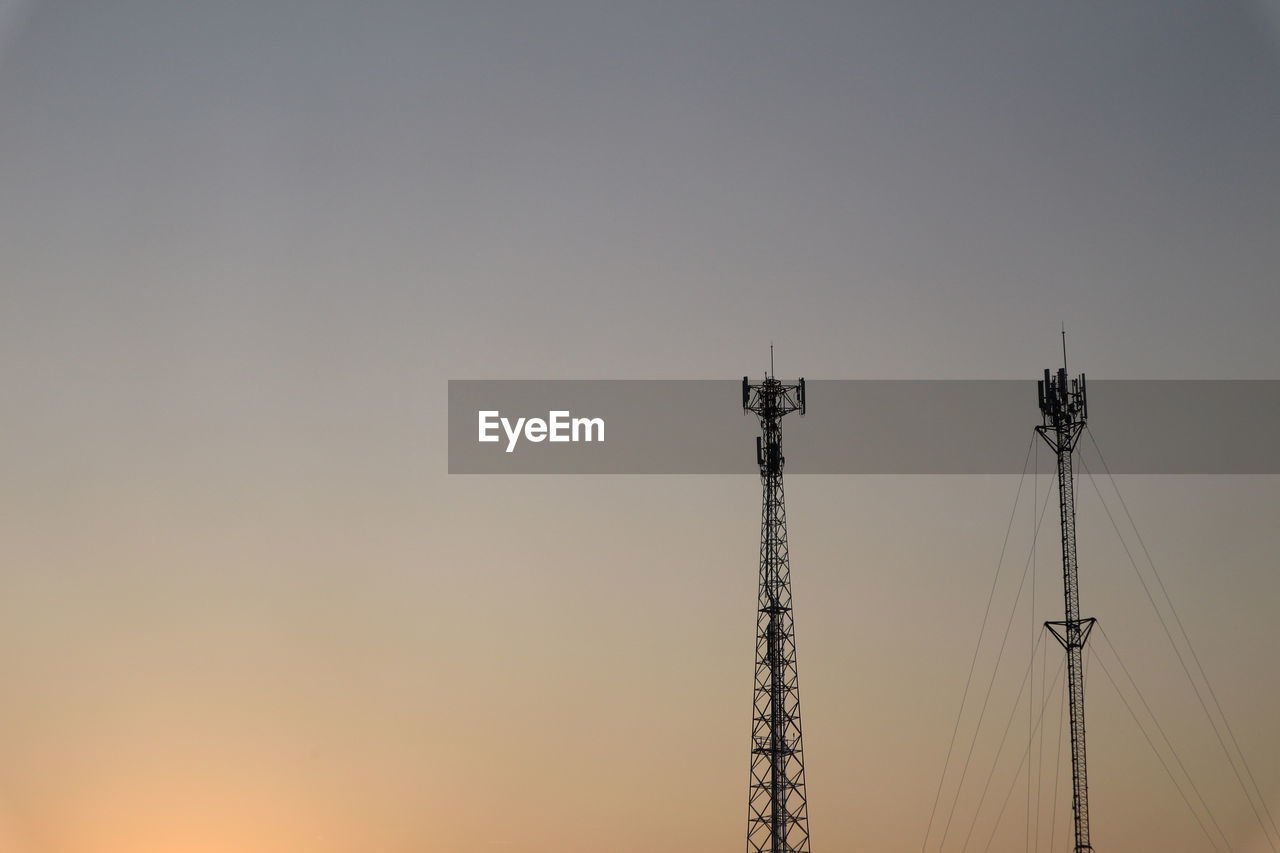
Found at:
[777, 812]
[1063, 409]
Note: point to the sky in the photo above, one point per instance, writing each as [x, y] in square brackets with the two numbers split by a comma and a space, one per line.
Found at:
[245, 245]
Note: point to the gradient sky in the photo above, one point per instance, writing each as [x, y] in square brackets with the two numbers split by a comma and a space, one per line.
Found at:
[245, 245]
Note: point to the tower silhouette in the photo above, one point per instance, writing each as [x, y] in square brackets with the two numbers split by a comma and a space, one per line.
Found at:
[777, 811]
[1063, 410]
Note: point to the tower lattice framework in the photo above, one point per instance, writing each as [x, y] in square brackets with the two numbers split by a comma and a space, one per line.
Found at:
[777, 810]
[1063, 409]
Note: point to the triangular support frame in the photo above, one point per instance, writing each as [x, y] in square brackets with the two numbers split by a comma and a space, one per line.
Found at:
[1084, 626]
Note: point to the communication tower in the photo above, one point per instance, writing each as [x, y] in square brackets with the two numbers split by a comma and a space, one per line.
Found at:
[777, 812]
[1063, 410]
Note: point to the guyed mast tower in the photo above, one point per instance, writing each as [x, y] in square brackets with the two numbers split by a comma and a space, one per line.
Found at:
[777, 813]
[1063, 410]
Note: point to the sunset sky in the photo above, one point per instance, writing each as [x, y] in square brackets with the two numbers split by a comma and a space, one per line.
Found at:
[244, 245]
